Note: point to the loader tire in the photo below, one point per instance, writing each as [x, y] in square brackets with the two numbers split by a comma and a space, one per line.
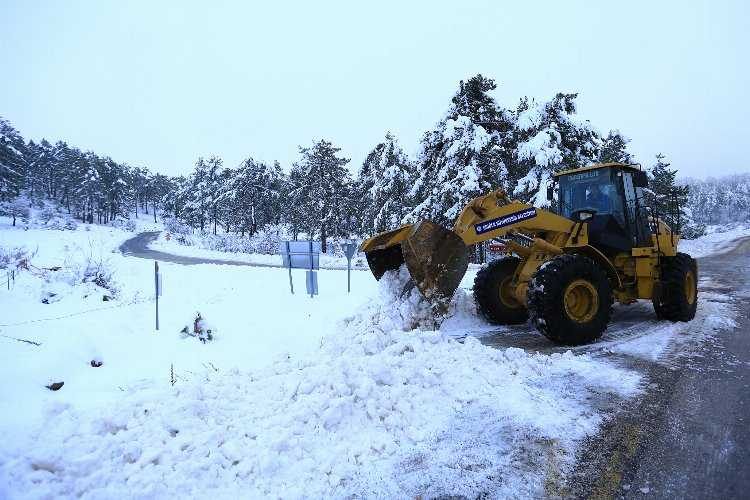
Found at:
[677, 298]
[570, 300]
[492, 295]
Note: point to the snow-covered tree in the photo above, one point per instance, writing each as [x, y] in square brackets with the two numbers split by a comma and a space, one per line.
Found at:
[720, 200]
[323, 192]
[12, 161]
[549, 137]
[204, 194]
[462, 157]
[17, 208]
[256, 195]
[669, 201]
[382, 187]
[614, 148]
[479, 146]
[158, 187]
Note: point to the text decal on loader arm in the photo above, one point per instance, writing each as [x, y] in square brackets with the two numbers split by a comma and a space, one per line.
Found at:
[506, 220]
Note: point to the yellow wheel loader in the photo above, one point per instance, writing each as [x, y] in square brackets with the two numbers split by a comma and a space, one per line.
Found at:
[563, 270]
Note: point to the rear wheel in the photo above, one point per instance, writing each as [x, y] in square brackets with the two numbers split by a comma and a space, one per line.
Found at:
[494, 296]
[677, 299]
[570, 300]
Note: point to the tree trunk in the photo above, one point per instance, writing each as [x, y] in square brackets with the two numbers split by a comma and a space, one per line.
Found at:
[323, 238]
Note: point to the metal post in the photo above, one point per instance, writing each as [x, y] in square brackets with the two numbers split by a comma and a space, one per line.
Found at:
[156, 291]
[312, 288]
[289, 266]
[348, 275]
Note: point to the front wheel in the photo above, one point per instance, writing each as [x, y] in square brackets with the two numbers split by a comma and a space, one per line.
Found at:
[494, 295]
[570, 300]
[677, 299]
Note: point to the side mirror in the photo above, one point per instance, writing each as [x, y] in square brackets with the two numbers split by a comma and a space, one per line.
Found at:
[640, 179]
[550, 192]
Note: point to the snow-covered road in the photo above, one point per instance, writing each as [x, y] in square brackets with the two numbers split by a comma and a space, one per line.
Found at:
[139, 246]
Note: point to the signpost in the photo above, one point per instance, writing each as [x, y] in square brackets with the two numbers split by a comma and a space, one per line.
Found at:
[350, 248]
[302, 255]
[311, 282]
[157, 291]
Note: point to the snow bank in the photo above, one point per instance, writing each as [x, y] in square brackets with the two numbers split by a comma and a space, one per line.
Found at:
[718, 239]
[380, 410]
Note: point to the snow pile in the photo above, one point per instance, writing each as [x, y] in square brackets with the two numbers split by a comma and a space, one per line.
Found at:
[80, 273]
[377, 411]
[717, 239]
[400, 307]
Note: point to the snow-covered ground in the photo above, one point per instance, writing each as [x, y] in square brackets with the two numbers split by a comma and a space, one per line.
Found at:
[333, 396]
[717, 239]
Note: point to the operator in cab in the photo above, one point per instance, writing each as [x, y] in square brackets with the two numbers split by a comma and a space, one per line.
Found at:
[598, 199]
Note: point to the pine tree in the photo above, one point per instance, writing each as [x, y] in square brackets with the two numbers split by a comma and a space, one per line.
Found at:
[382, 187]
[17, 208]
[614, 148]
[202, 194]
[256, 195]
[669, 201]
[322, 189]
[158, 188]
[462, 157]
[12, 161]
[723, 200]
[549, 137]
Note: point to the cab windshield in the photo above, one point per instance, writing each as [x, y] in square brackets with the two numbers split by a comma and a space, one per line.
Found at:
[595, 190]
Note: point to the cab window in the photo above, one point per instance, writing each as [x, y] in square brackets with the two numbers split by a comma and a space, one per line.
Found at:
[594, 190]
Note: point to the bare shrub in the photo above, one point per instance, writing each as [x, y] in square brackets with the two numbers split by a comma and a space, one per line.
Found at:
[15, 258]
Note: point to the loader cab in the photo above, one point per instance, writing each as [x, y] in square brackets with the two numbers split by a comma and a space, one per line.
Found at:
[609, 197]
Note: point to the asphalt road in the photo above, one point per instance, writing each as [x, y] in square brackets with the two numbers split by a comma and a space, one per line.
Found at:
[138, 247]
[688, 436]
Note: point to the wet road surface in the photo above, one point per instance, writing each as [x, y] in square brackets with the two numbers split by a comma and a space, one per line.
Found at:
[688, 435]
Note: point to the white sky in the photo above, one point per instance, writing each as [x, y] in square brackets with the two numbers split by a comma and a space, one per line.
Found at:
[157, 83]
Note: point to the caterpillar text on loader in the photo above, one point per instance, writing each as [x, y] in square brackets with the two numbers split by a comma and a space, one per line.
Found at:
[567, 268]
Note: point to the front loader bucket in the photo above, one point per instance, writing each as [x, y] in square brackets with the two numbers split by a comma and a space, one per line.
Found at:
[436, 257]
